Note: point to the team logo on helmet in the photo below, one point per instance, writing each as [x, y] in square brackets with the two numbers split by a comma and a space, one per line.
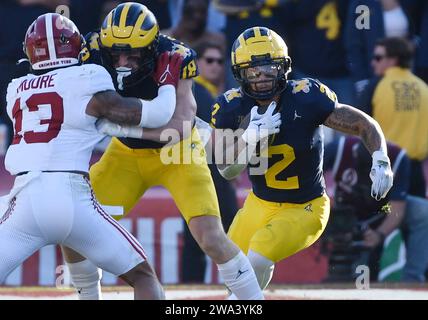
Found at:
[52, 41]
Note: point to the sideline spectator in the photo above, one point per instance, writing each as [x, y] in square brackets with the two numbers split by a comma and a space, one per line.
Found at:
[398, 100]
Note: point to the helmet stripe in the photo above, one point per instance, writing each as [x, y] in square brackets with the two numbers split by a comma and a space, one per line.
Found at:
[116, 15]
[148, 23]
[50, 36]
[249, 33]
[133, 14]
[236, 44]
[123, 16]
[263, 31]
[109, 19]
[104, 25]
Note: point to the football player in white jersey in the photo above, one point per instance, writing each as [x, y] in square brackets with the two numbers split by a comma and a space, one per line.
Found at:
[54, 110]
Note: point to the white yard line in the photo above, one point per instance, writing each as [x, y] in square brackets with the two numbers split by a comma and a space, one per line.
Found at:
[351, 294]
[316, 294]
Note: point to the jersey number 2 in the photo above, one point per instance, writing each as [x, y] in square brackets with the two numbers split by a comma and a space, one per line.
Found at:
[271, 174]
[33, 104]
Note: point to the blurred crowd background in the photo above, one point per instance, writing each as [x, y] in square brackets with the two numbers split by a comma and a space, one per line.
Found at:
[330, 40]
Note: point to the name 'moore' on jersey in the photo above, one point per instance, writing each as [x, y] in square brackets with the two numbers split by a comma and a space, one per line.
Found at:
[51, 128]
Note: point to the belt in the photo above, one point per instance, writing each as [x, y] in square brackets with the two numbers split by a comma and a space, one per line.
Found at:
[83, 173]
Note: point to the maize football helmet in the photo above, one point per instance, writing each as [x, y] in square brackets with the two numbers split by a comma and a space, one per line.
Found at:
[260, 51]
[130, 28]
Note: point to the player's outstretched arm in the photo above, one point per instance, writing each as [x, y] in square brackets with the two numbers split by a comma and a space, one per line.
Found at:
[183, 117]
[184, 112]
[112, 106]
[350, 120]
[131, 111]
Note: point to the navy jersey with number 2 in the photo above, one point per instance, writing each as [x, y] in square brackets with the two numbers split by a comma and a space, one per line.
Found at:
[295, 161]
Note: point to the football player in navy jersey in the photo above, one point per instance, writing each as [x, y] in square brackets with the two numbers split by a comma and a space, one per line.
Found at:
[128, 45]
[287, 209]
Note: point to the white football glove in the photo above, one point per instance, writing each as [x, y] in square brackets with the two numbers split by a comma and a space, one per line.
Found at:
[262, 125]
[381, 175]
[109, 128]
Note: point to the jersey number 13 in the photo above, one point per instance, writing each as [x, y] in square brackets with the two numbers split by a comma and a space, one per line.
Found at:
[33, 104]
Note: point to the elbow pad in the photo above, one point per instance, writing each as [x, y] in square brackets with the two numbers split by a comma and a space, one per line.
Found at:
[158, 112]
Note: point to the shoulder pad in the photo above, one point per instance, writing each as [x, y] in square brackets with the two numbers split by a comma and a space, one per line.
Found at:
[234, 93]
[90, 53]
[189, 67]
[311, 87]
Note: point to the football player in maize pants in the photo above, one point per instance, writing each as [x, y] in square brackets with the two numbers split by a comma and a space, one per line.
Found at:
[128, 44]
[287, 209]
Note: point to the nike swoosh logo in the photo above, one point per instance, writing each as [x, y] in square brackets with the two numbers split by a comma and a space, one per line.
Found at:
[241, 272]
[165, 75]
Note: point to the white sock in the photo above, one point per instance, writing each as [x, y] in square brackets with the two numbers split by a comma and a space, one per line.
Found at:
[239, 277]
[86, 278]
[263, 267]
